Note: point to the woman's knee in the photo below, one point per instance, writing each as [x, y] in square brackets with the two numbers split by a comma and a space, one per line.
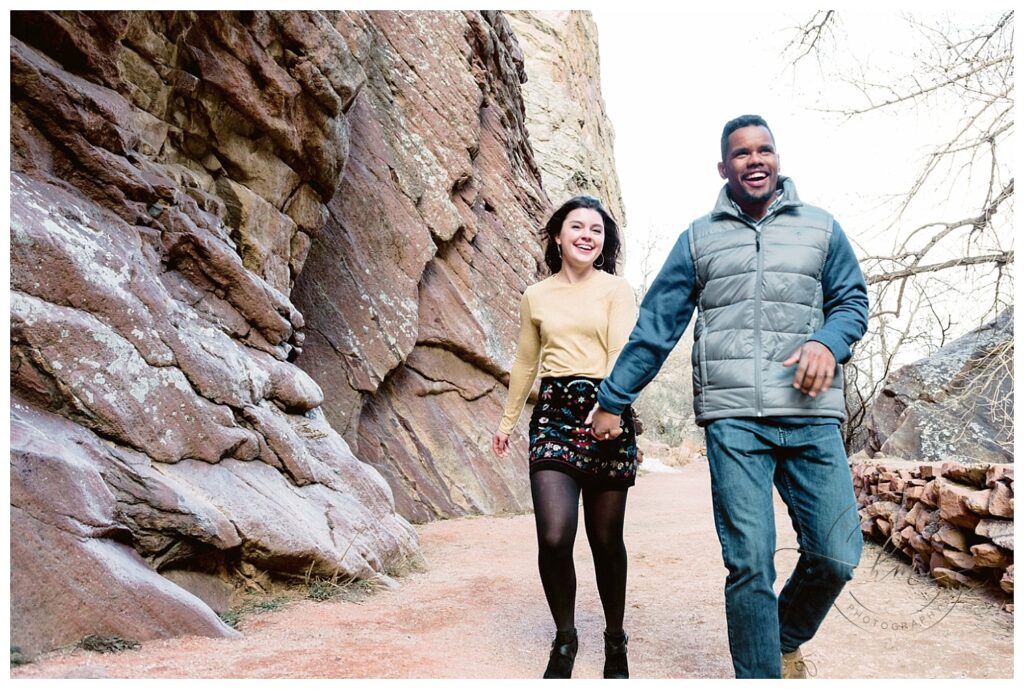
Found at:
[556, 542]
[605, 545]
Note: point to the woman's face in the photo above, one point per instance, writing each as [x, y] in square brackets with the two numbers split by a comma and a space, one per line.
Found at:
[581, 238]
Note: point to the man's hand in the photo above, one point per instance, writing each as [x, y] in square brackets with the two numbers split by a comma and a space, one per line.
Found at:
[499, 444]
[816, 370]
[603, 424]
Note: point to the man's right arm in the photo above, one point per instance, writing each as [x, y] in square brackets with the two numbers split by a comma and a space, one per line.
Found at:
[664, 315]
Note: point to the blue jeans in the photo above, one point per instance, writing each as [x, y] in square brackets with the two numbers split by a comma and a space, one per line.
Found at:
[808, 466]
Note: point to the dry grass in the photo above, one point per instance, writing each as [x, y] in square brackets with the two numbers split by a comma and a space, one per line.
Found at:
[349, 588]
[107, 644]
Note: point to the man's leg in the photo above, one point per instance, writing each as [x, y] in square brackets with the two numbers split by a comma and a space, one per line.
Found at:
[813, 478]
[740, 454]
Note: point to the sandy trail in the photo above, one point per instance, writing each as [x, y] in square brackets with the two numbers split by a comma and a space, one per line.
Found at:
[479, 611]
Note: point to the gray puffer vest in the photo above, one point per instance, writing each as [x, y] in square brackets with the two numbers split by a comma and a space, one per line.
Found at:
[760, 299]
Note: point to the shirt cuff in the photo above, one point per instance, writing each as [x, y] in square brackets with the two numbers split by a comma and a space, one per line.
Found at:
[840, 350]
[606, 401]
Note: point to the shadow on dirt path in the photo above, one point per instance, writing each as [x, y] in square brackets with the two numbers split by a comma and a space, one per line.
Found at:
[479, 611]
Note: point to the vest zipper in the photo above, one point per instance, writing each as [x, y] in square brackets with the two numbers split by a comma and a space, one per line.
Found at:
[757, 322]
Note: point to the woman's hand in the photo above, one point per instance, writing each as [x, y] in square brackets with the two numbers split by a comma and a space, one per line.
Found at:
[499, 444]
[603, 424]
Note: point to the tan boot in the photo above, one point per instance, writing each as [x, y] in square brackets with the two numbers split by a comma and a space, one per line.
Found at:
[793, 665]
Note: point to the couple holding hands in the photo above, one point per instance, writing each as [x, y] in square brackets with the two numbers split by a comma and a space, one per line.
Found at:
[780, 299]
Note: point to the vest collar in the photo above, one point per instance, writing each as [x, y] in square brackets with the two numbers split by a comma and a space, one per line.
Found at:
[790, 199]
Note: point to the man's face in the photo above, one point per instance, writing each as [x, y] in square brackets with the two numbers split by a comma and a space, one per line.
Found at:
[751, 168]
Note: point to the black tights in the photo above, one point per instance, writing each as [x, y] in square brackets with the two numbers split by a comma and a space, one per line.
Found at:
[556, 499]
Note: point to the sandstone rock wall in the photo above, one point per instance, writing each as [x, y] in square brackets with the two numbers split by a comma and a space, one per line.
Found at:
[169, 170]
[952, 520]
[571, 134]
[201, 201]
[411, 290]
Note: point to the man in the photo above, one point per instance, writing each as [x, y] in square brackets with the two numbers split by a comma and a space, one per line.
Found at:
[775, 284]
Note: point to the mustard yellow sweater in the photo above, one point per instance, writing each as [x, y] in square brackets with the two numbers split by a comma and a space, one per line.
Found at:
[568, 329]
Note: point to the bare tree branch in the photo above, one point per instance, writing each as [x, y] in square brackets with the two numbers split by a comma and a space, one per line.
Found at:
[963, 79]
[999, 259]
[809, 38]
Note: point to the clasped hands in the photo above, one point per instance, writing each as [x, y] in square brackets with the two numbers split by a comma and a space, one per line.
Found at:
[816, 367]
[603, 424]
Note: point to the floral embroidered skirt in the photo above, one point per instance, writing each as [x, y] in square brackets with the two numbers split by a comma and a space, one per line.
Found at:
[560, 440]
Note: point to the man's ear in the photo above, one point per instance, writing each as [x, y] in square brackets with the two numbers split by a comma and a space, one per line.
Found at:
[721, 170]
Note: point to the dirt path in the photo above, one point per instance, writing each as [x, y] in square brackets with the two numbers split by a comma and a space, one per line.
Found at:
[479, 612]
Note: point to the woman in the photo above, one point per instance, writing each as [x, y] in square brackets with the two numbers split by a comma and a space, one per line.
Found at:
[572, 326]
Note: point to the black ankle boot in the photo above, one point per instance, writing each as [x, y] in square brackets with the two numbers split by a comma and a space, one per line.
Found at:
[615, 665]
[563, 655]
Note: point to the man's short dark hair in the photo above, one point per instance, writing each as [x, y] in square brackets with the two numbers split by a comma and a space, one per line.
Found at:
[739, 123]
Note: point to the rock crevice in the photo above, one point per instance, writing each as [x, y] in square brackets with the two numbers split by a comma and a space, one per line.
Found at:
[451, 229]
[168, 172]
[243, 243]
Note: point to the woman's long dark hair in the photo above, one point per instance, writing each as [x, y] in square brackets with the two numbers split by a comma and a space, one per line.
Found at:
[610, 252]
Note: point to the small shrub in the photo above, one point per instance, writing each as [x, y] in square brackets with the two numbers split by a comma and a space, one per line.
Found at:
[269, 605]
[405, 564]
[323, 589]
[231, 618]
[16, 657]
[107, 644]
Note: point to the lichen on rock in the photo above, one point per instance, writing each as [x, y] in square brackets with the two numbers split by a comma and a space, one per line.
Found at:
[243, 245]
[168, 169]
[956, 404]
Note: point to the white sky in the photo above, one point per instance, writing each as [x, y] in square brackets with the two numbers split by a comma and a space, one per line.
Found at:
[671, 80]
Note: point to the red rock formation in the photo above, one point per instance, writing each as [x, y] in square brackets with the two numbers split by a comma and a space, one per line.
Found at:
[168, 170]
[74, 570]
[963, 542]
[411, 289]
[199, 201]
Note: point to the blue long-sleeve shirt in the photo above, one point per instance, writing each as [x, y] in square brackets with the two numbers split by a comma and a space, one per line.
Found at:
[669, 304]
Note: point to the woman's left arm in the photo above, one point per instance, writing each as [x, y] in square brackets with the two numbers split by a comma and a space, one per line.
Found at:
[622, 315]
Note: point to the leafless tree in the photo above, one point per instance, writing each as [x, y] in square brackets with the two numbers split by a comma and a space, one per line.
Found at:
[810, 37]
[666, 404]
[647, 248]
[962, 72]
